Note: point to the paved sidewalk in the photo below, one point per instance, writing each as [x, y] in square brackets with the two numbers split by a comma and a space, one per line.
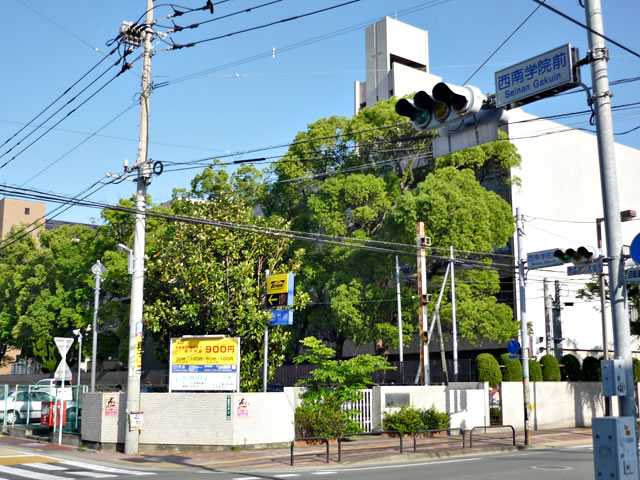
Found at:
[360, 450]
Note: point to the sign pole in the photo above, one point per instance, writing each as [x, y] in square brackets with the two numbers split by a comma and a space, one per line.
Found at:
[265, 362]
[523, 330]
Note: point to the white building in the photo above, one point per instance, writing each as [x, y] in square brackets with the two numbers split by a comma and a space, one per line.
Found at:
[560, 193]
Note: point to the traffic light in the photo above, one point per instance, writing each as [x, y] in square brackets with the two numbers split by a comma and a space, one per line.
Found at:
[447, 103]
[581, 255]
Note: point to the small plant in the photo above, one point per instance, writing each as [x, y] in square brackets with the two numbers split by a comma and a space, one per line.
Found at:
[432, 419]
[535, 371]
[406, 420]
[550, 368]
[488, 369]
[571, 370]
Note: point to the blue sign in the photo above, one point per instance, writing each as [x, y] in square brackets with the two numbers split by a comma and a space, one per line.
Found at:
[513, 346]
[542, 259]
[586, 269]
[525, 81]
[282, 317]
[635, 249]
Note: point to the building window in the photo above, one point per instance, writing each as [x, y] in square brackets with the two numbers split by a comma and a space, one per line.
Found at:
[27, 211]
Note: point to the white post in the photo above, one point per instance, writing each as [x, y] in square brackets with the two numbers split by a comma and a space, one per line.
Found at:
[454, 319]
[265, 354]
[98, 270]
[399, 303]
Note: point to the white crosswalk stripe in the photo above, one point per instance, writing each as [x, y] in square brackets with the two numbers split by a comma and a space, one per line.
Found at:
[46, 466]
[101, 468]
[19, 472]
[86, 473]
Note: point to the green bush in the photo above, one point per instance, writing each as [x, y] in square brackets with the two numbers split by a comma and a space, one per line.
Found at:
[636, 370]
[571, 370]
[550, 368]
[406, 420]
[512, 371]
[409, 420]
[535, 371]
[318, 420]
[432, 419]
[591, 370]
[488, 370]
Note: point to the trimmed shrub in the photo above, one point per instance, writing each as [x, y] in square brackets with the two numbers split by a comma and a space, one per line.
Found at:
[406, 420]
[591, 370]
[550, 368]
[319, 420]
[432, 419]
[636, 370]
[488, 370]
[571, 370]
[512, 371]
[535, 371]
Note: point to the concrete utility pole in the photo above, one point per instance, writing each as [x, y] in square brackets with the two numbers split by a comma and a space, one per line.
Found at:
[548, 312]
[265, 353]
[422, 306]
[524, 348]
[137, 281]
[557, 323]
[454, 319]
[399, 304]
[98, 270]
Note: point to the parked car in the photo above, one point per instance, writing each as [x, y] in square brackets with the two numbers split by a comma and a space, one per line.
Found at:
[54, 387]
[18, 405]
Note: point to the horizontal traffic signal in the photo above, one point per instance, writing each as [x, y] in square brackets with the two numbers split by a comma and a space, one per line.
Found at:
[581, 255]
[447, 103]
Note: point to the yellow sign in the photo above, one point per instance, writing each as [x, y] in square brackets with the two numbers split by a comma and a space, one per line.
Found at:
[138, 354]
[278, 283]
[204, 351]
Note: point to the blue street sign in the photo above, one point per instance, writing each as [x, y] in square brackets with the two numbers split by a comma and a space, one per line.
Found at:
[635, 249]
[281, 317]
[513, 346]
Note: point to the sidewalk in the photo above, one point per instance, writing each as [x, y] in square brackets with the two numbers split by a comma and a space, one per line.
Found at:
[360, 450]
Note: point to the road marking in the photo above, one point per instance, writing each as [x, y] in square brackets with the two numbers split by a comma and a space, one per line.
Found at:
[287, 475]
[26, 474]
[417, 464]
[323, 473]
[101, 468]
[46, 466]
[21, 459]
[245, 478]
[86, 473]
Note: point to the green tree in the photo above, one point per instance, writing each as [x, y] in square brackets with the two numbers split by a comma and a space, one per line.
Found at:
[571, 370]
[591, 369]
[204, 279]
[512, 371]
[535, 371]
[550, 368]
[331, 384]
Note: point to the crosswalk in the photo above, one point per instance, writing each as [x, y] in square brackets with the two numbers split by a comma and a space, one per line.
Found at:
[15, 465]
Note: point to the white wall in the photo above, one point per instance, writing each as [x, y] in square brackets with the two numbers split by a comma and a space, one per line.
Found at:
[561, 198]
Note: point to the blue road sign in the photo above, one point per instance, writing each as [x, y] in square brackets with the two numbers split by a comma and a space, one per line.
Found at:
[281, 317]
[635, 249]
[513, 346]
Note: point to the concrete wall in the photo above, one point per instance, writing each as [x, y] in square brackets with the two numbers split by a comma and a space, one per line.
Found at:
[195, 419]
[555, 404]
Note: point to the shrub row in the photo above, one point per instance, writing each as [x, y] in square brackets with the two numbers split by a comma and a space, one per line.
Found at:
[408, 420]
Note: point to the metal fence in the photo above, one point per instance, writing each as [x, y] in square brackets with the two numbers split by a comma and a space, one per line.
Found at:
[362, 410]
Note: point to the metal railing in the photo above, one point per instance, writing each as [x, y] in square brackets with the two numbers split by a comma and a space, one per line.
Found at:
[360, 434]
[323, 439]
[493, 427]
[435, 431]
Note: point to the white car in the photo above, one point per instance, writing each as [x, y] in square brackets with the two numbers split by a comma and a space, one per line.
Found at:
[19, 405]
[54, 387]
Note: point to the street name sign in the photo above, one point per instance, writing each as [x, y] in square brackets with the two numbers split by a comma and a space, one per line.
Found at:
[632, 275]
[538, 77]
[542, 259]
[586, 269]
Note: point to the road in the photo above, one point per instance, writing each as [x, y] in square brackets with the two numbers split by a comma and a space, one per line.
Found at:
[39, 462]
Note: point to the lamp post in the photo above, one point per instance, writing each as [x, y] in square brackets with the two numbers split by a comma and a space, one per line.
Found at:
[123, 248]
[98, 270]
[78, 333]
[625, 216]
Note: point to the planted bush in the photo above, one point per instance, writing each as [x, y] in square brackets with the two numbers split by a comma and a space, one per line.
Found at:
[408, 420]
[488, 369]
[535, 371]
[432, 419]
[512, 371]
[591, 369]
[571, 370]
[550, 368]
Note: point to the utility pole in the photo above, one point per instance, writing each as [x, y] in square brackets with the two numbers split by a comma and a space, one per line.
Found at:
[399, 302]
[548, 312]
[137, 281]
[524, 349]
[265, 350]
[557, 323]
[98, 270]
[454, 319]
[421, 242]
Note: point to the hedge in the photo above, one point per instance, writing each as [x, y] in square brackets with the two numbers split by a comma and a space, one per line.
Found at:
[550, 368]
[571, 371]
[512, 371]
[488, 370]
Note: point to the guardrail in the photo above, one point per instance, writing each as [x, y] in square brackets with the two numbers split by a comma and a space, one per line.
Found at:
[439, 430]
[324, 439]
[492, 427]
[360, 434]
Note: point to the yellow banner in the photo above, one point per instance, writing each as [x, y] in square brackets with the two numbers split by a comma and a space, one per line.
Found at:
[278, 283]
[204, 351]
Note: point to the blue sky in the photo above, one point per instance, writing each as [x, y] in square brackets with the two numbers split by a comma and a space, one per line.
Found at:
[262, 99]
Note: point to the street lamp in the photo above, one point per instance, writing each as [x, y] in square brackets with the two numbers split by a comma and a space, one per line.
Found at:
[625, 216]
[123, 248]
[78, 333]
